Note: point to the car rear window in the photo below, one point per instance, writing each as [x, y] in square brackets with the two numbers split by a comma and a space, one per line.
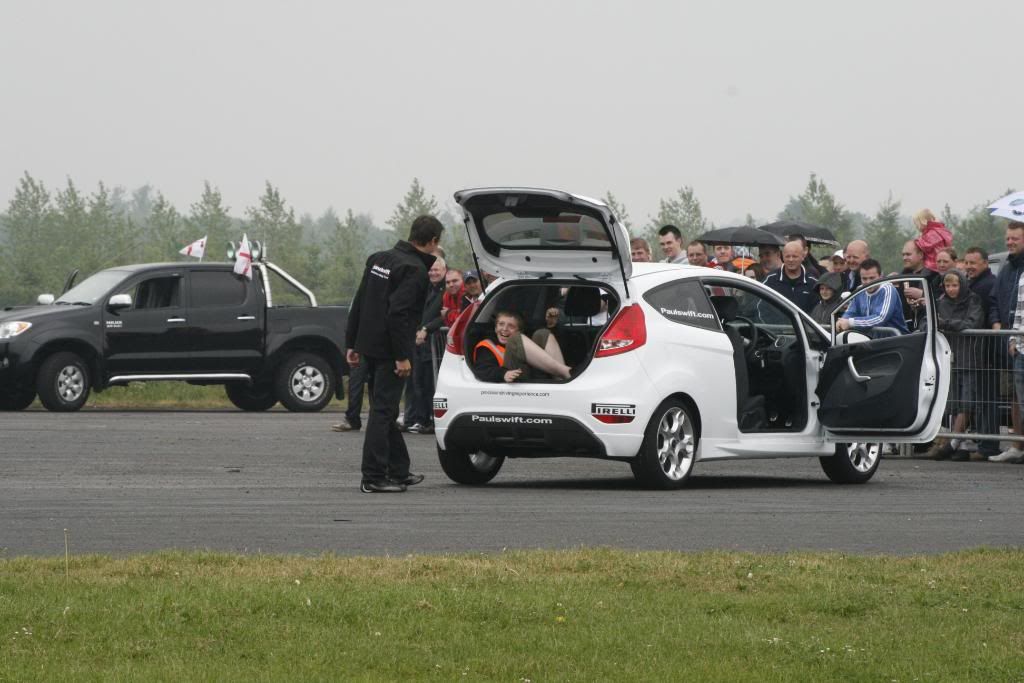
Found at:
[684, 302]
[217, 288]
[562, 231]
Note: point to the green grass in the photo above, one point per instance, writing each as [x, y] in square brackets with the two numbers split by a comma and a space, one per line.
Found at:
[538, 616]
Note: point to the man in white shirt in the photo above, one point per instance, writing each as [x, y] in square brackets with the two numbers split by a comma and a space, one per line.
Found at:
[671, 241]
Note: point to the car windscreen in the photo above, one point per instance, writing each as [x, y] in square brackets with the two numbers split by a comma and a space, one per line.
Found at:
[563, 230]
[93, 287]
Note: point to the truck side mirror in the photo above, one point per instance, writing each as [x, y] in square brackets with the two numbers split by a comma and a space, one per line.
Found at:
[44, 299]
[119, 301]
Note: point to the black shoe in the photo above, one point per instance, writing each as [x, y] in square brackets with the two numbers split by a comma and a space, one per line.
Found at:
[385, 486]
[409, 480]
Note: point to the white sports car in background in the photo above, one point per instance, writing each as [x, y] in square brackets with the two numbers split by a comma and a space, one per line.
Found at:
[672, 364]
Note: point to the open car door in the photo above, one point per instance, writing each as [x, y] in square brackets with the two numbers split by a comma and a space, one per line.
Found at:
[878, 384]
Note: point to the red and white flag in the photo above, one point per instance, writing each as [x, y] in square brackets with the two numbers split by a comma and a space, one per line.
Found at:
[243, 258]
[197, 248]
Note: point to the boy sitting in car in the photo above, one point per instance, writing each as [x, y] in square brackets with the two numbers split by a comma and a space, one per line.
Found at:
[505, 355]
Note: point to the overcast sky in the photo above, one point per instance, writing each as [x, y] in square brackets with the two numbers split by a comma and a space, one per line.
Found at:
[341, 104]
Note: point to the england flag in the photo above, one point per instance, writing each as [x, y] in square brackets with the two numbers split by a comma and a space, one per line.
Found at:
[243, 259]
[197, 248]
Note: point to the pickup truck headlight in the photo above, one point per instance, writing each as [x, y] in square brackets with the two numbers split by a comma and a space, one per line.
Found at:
[13, 329]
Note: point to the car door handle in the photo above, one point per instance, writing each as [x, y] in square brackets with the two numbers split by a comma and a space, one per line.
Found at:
[853, 371]
[246, 317]
[175, 320]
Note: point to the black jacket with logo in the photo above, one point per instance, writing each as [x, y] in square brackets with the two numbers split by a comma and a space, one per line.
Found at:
[389, 303]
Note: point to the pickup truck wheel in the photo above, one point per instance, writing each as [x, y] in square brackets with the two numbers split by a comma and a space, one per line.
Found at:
[63, 382]
[474, 469]
[304, 383]
[251, 397]
[17, 399]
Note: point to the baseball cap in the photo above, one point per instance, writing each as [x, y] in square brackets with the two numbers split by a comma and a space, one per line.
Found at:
[471, 275]
[838, 254]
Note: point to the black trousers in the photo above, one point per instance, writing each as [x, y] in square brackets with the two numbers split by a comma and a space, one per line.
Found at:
[384, 453]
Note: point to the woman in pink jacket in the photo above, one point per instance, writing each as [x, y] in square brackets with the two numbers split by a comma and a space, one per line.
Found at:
[935, 236]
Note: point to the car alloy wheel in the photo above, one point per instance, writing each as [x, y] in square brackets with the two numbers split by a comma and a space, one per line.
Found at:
[863, 456]
[70, 383]
[308, 384]
[675, 443]
[669, 449]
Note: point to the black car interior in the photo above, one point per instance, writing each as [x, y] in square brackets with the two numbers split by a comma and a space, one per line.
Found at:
[769, 360]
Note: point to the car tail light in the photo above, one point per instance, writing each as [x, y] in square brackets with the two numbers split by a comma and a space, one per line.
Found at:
[627, 331]
[457, 331]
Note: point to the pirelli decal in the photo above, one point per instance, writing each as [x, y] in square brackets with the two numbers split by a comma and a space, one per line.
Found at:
[613, 413]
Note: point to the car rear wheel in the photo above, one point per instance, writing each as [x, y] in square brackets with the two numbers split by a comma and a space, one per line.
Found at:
[669, 448]
[63, 382]
[853, 463]
[304, 383]
[18, 399]
[469, 468]
[251, 397]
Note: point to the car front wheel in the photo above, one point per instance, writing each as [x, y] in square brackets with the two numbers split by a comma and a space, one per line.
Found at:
[304, 383]
[669, 448]
[63, 382]
[474, 469]
[853, 463]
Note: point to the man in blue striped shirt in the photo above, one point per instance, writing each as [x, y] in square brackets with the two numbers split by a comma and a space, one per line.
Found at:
[875, 307]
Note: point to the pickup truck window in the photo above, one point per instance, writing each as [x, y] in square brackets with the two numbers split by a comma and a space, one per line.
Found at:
[158, 292]
[213, 288]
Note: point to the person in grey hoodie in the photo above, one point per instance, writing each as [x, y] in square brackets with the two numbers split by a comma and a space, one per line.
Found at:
[959, 309]
[829, 288]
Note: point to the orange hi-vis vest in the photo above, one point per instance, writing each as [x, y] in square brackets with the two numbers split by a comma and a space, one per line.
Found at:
[497, 349]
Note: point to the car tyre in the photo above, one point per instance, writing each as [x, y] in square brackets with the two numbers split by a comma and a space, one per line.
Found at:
[304, 383]
[474, 469]
[17, 399]
[251, 397]
[853, 463]
[63, 382]
[669, 448]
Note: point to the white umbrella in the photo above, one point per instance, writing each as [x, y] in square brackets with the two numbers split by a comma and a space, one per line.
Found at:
[1011, 206]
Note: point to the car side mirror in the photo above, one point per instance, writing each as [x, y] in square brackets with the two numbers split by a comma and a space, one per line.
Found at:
[119, 301]
[44, 299]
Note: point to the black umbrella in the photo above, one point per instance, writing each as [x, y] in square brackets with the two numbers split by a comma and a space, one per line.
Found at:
[814, 234]
[742, 235]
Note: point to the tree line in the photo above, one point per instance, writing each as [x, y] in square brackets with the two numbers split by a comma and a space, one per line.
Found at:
[45, 234]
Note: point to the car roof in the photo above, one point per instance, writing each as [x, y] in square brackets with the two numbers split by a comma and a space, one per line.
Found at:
[139, 267]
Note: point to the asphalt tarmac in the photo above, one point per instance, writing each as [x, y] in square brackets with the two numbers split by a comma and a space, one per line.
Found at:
[283, 483]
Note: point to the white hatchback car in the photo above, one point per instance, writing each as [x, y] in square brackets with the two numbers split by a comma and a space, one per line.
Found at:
[672, 364]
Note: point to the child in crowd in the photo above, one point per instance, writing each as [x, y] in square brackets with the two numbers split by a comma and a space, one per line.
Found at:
[934, 236]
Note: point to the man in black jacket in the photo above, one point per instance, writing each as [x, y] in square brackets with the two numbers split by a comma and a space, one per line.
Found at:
[382, 331]
[792, 280]
[982, 282]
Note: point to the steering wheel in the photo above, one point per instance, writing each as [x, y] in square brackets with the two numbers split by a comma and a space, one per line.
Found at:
[755, 334]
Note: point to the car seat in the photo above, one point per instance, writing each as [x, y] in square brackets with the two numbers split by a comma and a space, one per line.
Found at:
[750, 410]
[576, 341]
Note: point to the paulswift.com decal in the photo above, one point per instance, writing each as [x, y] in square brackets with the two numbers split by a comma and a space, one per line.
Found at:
[512, 420]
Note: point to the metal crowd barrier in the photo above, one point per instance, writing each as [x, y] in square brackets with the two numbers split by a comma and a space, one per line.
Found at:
[437, 343]
[981, 391]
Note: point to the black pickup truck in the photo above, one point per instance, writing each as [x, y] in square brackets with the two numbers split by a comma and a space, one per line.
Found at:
[266, 339]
